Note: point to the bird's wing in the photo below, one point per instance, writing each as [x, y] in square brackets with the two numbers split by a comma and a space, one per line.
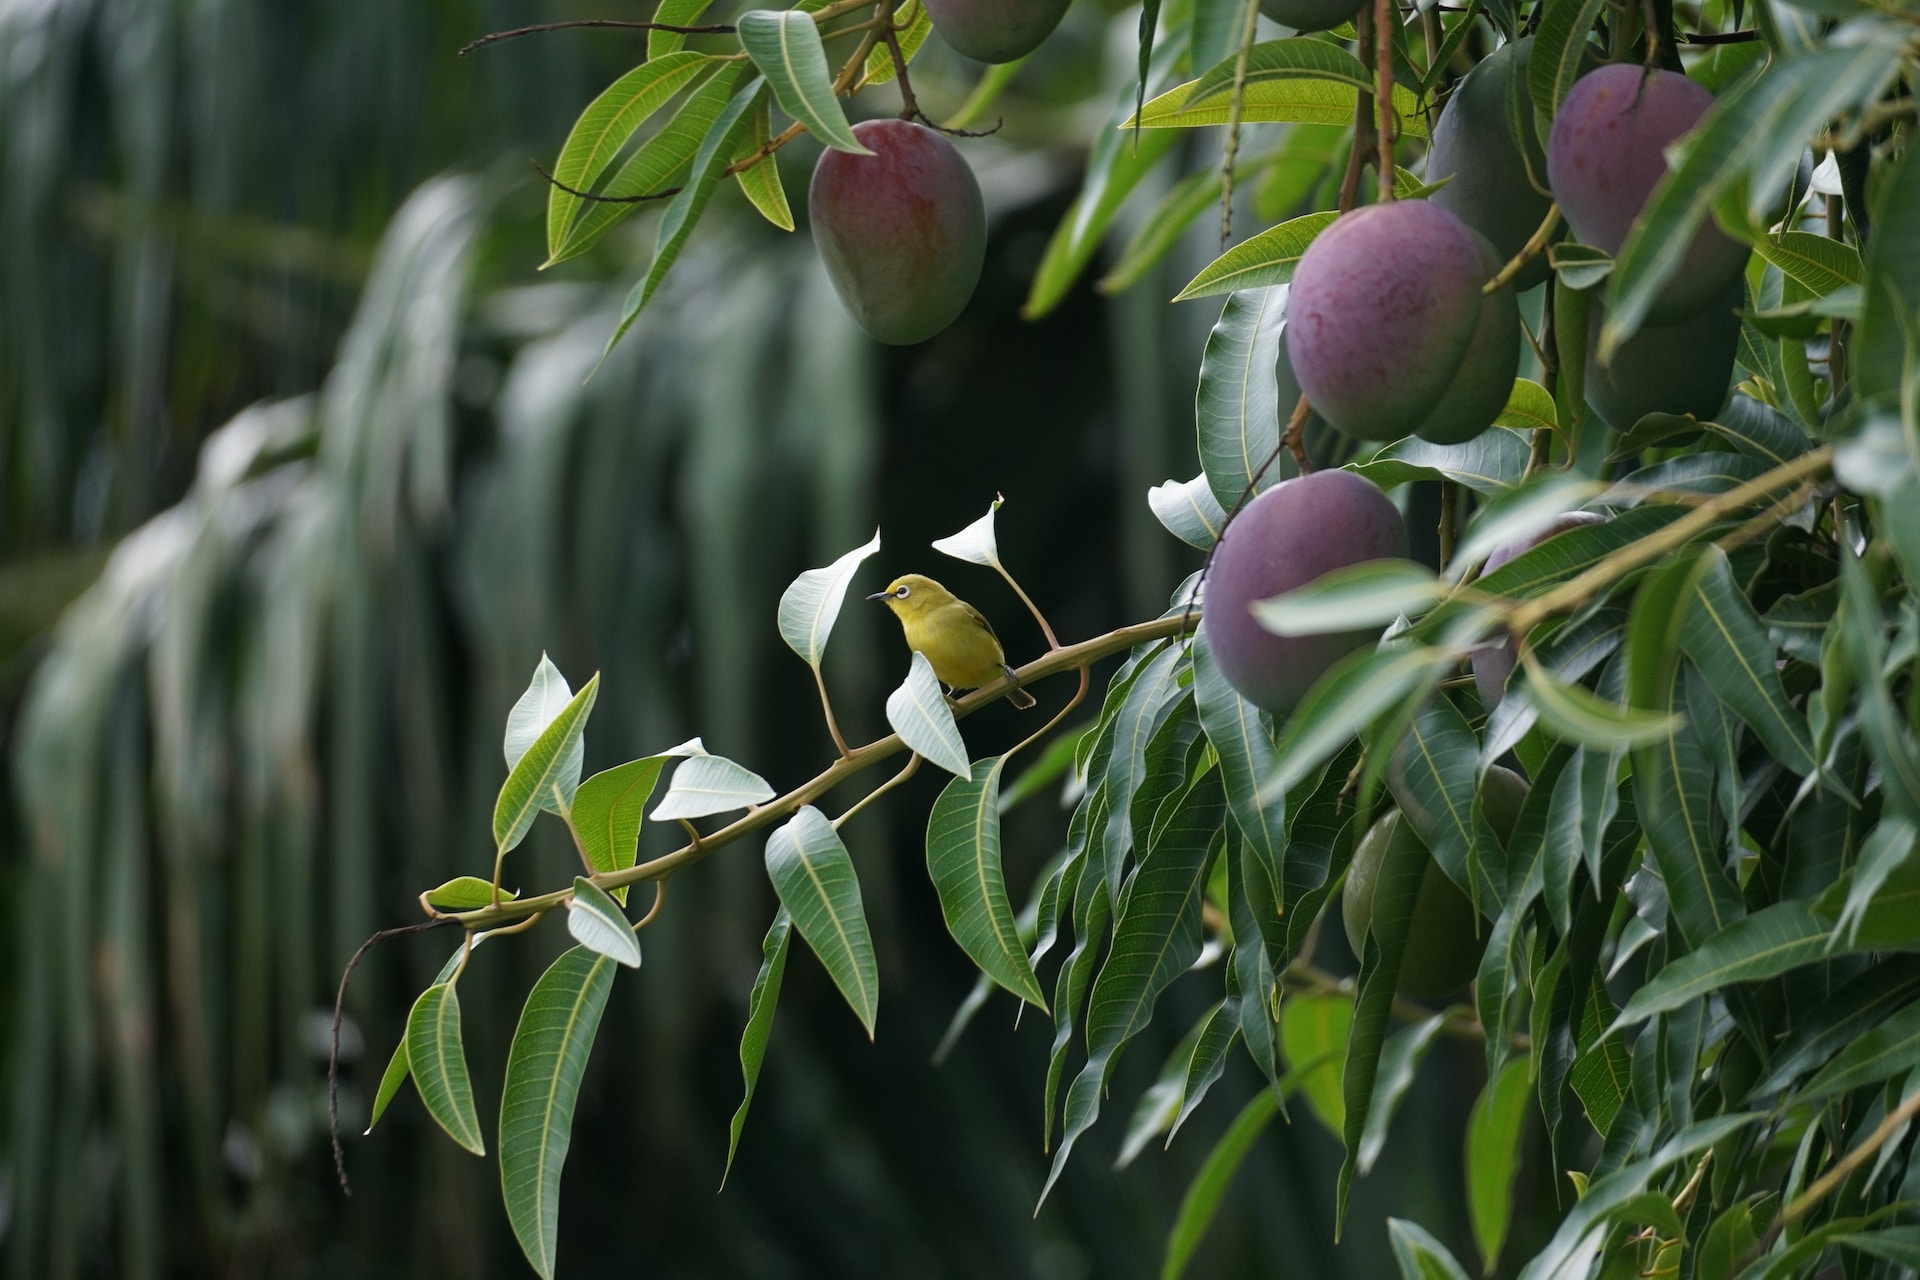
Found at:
[980, 618]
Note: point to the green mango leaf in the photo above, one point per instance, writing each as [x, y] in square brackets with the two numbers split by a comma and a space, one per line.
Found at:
[704, 785]
[1435, 778]
[814, 876]
[1237, 406]
[1494, 1128]
[1579, 266]
[1836, 1022]
[811, 603]
[1313, 1037]
[597, 923]
[920, 714]
[1728, 643]
[1885, 850]
[785, 45]
[466, 893]
[672, 13]
[1156, 938]
[761, 1003]
[1898, 1245]
[1370, 594]
[544, 1066]
[1559, 48]
[1188, 510]
[1116, 163]
[760, 180]
[1580, 716]
[1269, 258]
[1072, 983]
[1608, 1195]
[1490, 463]
[1293, 100]
[1766, 944]
[439, 1065]
[1202, 1200]
[963, 860]
[1242, 737]
[1818, 265]
[1350, 696]
[1294, 58]
[545, 775]
[1208, 1063]
[684, 210]
[918, 26]
[1153, 1113]
[651, 166]
[545, 698]
[1879, 351]
[1420, 1256]
[608, 807]
[398, 1069]
[1528, 408]
[1399, 1061]
[1888, 1050]
[1396, 887]
[605, 127]
[1163, 229]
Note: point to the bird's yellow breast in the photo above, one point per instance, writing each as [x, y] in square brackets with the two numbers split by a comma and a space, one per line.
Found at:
[962, 649]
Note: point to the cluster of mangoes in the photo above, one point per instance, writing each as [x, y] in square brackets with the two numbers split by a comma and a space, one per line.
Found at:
[903, 232]
[1394, 329]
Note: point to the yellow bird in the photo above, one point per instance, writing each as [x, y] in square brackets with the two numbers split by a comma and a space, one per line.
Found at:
[957, 639]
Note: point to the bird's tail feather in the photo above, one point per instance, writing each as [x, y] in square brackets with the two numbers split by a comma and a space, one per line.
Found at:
[1017, 696]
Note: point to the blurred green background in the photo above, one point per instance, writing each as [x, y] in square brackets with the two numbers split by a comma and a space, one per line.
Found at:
[282, 392]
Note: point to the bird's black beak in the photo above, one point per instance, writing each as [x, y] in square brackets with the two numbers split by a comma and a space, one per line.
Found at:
[880, 595]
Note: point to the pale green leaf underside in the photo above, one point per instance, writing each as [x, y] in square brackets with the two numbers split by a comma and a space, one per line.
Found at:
[541, 778]
[786, 47]
[1188, 510]
[976, 543]
[704, 785]
[919, 713]
[811, 603]
[597, 923]
[1370, 594]
[1293, 101]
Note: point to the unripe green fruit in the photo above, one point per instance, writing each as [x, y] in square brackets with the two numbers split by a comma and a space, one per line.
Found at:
[903, 232]
[1474, 144]
[1442, 951]
[1310, 15]
[1677, 368]
[995, 30]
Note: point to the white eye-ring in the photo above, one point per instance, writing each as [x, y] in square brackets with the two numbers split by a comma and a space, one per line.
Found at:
[904, 592]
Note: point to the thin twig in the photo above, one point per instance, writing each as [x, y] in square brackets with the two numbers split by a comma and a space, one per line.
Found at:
[1363, 139]
[1236, 108]
[1383, 31]
[826, 705]
[333, 1055]
[913, 765]
[1729, 37]
[909, 107]
[1528, 252]
[659, 900]
[1576, 591]
[588, 195]
[1032, 608]
[1825, 1184]
[495, 37]
[1057, 661]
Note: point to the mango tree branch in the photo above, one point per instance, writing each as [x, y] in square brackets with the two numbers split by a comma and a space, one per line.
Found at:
[1073, 657]
[1384, 24]
[826, 706]
[1576, 591]
[1528, 252]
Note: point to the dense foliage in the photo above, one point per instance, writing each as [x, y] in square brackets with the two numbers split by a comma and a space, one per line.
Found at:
[1690, 968]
